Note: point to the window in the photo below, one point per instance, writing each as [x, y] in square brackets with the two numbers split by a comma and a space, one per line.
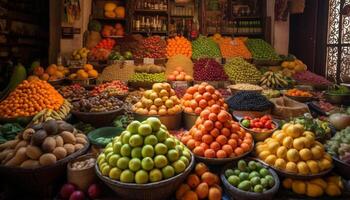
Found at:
[338, 41]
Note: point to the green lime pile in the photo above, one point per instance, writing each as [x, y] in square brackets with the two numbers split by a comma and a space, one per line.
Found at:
[252, 177]
[204, 47]
[144, 153]
[147, 77]
[261, 50]
[240, 71]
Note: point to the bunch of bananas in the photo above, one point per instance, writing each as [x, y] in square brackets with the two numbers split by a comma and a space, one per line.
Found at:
[48, 114]
[273, 80]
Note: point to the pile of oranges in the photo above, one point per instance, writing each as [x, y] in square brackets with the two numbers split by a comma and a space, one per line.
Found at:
[29, 98]
[298, 93]
[179, 45]
[83, 74]
[201, 96]
[216, 135]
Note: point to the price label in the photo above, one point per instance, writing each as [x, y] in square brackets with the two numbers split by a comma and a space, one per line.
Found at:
[148, 61]
[129, 62]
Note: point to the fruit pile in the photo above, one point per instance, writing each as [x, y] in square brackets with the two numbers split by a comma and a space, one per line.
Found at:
[83, 74]
[120, 87]
[311, 78]
[249, 101]
[49, 114]
[161, 100]
[116, 30]
[261, 50]
[270, 93]
[206, 69]
[251, 177]
[204, 47]
[179, 75]
[72, 192]
[80, 53]
[332, 186]
[42, 145]
[73, 92]
[149, 68]
[201, 184]
[201, 96]
[144, 153]
[339, 145]
[112, 10]
[294, 150]
[216, 135]
[118, 56]
[240, 71]
[52, 73]
[295, 65]
[29, 98]
[234, 48]
[259, 124]
[320, 128]
[102, 50]
[273, 80]
[151, 47]
[298, 93]
[179, 45]
[147, 77]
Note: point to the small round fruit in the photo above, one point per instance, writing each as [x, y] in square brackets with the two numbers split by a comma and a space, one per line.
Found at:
[155, 175]
[168, 172]
[127, 176]
[141, 177]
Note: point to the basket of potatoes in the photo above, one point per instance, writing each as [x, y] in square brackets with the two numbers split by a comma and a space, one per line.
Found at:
[38, 156]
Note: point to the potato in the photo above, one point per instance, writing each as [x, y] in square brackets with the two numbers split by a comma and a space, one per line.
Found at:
[81, 140]
[68, 137]
[19, 157]
[81, 135]
[30, 164]
[49, 144]
[78, 147]
[5, 152]
[47, 159]
[22, 143]
[33, 152]
[27, 134]
[69, 148]
[59, 141]
[60, 152]
[9, 144]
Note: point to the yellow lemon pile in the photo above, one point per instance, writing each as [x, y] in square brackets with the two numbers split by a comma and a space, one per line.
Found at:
[332, 186]
[294, 150]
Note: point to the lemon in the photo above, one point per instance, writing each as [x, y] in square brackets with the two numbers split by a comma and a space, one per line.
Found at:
[263, 155]
[327, 157]
[317, 153]
[281, 152]
[299, 187]
[280, 163]
[320, 182]
[333, 190]
[313, 190]
[288, 142]
[308, 141]
[298, 144]
[261, 148]
[287, 183]
[279, 137]
[276, 133]
[313, 166]
[293, 155]
[324, 164]
[270, 160]
[302, 168]
[305, 154]
[308, 134]
[273, 146]
[291, 167]
[295, 130]
[285, 126]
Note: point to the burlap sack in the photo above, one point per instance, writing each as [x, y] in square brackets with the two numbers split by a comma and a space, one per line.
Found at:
[286, 108]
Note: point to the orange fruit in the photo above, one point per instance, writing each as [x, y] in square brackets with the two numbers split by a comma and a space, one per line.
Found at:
[209, 153]
[221, 139]
[190, 195]
[183, 188]
[193, 180]
[202, 190]
[214, 194]
[209, 178]
[215, 146]
[199, 151]
[200, 168]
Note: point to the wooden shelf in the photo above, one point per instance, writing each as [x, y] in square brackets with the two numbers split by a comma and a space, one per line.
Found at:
[181, 16]
[152, 32]
[247, 18]
[109, 19]
[164, 12]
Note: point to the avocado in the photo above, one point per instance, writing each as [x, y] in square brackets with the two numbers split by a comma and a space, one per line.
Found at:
[51, 127]
[38, 137]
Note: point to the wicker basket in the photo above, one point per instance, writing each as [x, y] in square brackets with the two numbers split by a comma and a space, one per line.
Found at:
[119, 71]
[152, 191]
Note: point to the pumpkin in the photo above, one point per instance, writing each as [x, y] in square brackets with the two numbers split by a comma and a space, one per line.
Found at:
[120, 12]
[109, 7]
[110, 14]
[38, 71]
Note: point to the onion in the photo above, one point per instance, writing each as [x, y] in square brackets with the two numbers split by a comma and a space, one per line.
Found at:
[340, 120]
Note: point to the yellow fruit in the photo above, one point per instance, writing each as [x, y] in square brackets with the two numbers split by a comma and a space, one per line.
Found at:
[285, 64]
[309, 133]
[276, 133]
[82, 75]
[288, 142]
[280, 163]
[295, 130]
[299, 187]
[327, 157]
[109, 7]
[158, 102]
[271, 159]
[333, 190]
[324, 164]
[298, 144]
[308, 141]
[320, 182]
[293, 155]
[285, 126]
[291, 167]
[336, 180]
[268, 140]
[281, 152]
[88, 67]
[313, 190]
[260, 148]
[317, 153]
[287, 183]
[305, 154]
[263, 155]
[273, 146]
[302, 168]
[280, 138]
[313, 166]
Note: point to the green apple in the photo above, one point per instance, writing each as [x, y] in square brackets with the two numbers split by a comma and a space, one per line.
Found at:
[151, 140]
[136, 152]
[145, 129]
[136, 140]
[141, 177]
[147, 164]
[114, 173]
[154, 122]
[155, 175]
[173, 155]
[135, 164]
[133, 127]
[179, 166]
[127, 176]
[147, 151]
[161, 149]
[125, 136]
[125, 150]
[123, 162]
[113, 160]
[117, 146]
[162, 135]
[168, 172]
[160, 161]
[170, 143]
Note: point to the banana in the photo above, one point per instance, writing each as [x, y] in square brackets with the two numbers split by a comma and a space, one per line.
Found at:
[38, 115]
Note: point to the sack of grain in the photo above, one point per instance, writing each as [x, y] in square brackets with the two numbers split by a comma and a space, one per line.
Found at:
[119, 71]
[286, 108]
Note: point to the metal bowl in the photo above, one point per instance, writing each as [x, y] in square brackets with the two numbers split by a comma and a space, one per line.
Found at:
[260, 136]
[189, 119]
[172, 122]
[338, 99]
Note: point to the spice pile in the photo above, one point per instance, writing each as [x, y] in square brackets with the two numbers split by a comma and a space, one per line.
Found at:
[73, 92]
[204, 47]
[206, 69]
[249, 101]
[119, 86]
[240, 71]
[234, 48]
[29, 98]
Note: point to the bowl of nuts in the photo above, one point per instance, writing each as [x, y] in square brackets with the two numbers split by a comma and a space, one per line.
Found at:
[80, 171]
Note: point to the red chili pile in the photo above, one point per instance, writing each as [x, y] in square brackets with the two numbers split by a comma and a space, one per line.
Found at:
[262, 124]
[206, 69]
[152, 47]
[117, 85]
